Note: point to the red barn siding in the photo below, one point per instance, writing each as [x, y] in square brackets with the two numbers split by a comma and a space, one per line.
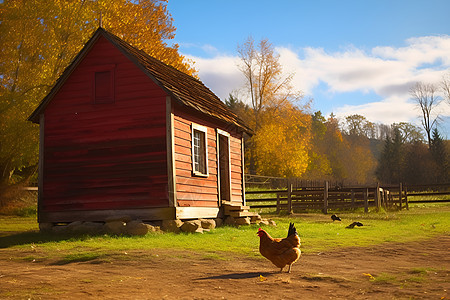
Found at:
[203, 191]
[236, 169]
[193, 190]
[105, 156]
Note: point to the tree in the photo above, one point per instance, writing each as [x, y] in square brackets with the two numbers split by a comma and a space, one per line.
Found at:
[425, 97]
[440, 156]
[358, 125]
[384, 131]
[38, 41]
[271, 96]
[319, 167]
[390, 165]
[282, 142]
[265, 83]
[335, 148]
[419, 166]
[238, 107]
[445, 86]
[410, 133]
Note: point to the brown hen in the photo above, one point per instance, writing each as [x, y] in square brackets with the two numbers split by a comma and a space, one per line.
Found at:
[280, 252]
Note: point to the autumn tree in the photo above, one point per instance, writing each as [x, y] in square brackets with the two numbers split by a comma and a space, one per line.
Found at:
[426, 98]
[266, 84]
[358, 125]
[273, 101]
[282, 142]
[334, 148]
[409, 133]
[38, 41]
[319, 166]
[350, 154]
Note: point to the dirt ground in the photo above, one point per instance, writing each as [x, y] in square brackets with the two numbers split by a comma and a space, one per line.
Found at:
[417, 270]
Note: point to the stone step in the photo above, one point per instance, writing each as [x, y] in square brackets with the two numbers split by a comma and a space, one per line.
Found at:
[229, 209]
[241, 214]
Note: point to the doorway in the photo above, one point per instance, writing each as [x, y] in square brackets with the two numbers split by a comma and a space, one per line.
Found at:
[224, 166]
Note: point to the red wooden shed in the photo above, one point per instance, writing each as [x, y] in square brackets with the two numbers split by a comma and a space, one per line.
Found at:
[123, 133]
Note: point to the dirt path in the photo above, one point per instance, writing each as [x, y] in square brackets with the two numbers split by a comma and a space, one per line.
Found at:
[418, 270]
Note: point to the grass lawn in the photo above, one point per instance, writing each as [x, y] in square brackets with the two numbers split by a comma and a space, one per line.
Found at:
[317, 232]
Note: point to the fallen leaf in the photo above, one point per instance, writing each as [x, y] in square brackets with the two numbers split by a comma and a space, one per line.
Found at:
[369, 275]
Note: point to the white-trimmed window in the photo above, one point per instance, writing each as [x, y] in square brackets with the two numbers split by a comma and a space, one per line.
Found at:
[199, 150]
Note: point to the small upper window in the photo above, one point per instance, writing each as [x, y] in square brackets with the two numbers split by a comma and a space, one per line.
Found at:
[104, 86]
[199, 151]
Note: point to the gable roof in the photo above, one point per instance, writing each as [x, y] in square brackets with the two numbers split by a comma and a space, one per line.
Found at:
[185, 89]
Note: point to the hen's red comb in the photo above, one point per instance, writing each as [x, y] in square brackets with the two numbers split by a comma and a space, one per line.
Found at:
[259, 229]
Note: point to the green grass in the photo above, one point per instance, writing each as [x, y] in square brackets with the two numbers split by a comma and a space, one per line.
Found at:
[403, 279]
[318, 233]
[17, 224]
[384, 278]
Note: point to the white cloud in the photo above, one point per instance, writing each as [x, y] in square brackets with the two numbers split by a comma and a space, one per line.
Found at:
[391, 110]
[385, 70]
[220, 74]
[388, 72]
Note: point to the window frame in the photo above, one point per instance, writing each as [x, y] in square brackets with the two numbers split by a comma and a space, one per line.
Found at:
[112, 97]
[203, 130]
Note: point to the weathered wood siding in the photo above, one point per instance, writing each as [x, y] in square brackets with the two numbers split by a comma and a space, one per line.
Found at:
[236, 169]
[110, 155]
[201, 191]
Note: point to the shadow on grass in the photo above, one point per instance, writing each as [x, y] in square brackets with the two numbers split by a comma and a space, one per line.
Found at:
[35, 237]
[91, 257]
[29, 237]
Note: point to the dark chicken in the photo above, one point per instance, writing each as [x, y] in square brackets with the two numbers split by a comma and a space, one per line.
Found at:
[335, 218]
[280, 252]
[359, 224]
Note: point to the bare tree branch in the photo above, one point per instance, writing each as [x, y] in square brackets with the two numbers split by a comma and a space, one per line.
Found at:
[424, 94]
[445, 86]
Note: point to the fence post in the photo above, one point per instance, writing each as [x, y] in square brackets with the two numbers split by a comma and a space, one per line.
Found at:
[366, 200]
[289, 197]
[325, 197]
[377, 197]
[406, 198]
[385, 198]
[353, 199]
[278, 203]
[400, 195]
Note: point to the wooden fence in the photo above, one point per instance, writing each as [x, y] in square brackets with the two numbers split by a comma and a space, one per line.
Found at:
[294, 197]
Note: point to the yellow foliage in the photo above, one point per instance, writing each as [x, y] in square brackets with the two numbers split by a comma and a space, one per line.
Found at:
[282, 142]
[38, 41]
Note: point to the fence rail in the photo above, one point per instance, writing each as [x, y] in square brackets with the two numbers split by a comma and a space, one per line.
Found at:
[295, 197]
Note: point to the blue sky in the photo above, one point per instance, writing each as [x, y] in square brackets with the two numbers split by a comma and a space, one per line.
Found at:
[348, 56]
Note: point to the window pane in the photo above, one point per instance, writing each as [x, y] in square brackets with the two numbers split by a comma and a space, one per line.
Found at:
[199, 152]
[197, 138]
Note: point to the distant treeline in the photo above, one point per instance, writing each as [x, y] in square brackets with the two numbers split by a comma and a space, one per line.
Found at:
[290, 142]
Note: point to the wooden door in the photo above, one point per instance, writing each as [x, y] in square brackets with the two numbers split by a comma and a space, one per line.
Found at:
[224, 167]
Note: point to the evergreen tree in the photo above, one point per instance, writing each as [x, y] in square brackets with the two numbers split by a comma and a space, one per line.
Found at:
[390, 163]
[440, 156]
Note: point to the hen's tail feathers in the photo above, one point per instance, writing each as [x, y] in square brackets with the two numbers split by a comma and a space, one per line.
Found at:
[292, 230]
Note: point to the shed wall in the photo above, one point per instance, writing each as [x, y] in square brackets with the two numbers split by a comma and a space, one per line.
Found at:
[196, 190]
[110, 155]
